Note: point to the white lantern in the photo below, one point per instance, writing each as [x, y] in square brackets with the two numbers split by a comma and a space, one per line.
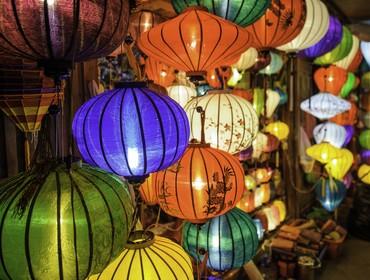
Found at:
[259, 143]
[330, 132]
[231, 123]
[275, 65]
[325, 105]
[272, 102]
[246, 60]
[346, 62]
[181, 94]
[314, 29]
[365, 49]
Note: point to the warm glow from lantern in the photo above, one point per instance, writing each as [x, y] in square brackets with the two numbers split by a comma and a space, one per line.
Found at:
[198, 184]
[323, 152]
[278, 129]
[330, 78]
[340, 165]
[250, 183]
[235, 78]
[163, 73]
[133, 157]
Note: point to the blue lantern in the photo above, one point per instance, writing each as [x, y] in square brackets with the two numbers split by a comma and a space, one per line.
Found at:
[259, 227]
[330, 193]
[131, 131]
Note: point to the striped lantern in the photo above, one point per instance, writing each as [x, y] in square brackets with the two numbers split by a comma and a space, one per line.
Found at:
[59, 223]
[158, 72]
[331, 133]
[330, 79]
[229, 240]
[147, 190]
[181, 94]
[149, 257]
[346, 62]
[142, 21]
[246, 60]
[330, 193]
[275, 65]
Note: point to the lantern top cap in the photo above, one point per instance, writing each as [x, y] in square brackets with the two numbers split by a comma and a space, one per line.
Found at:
[140, 239]
[197, 8]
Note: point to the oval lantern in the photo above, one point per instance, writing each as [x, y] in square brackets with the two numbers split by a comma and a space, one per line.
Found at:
[242, 13]
[147, 256]
[204, 183]
[147, 190]
[339, 52]
[365, 49]
[180, 42]
[314, 29]
[62, 223]
[346, 61]
[266, 192]
[356, 62]
[278, 129]
[364, 139]
[331, 39]
[230, 240]
[246, 60]
[365, 156]
[160, 73]
[131, 131]
[338, 166]
[363, 173]
[350, 131]
[275, 65]
[330, 132]
[347, 118]
[281, 23]
[330, 79]
[330, 193]
[323, 152]
[272, 102]
[348, 86]
[231, 123]
[247, 202]
[325, 105]
[282, 209]
[181, 94]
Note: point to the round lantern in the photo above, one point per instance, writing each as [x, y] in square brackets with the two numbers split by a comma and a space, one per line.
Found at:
[266, 192]
[363, 173]
[365, 81]
[246, 60]
[314, 29]
[204, 183]
[158, 72]
[182, 43]
[240, 12]
[62, 223]
[229, 240]
[348, 86]
[149, 257]
[131, 131]
[325, 105]
[231, 123]
[350, 131]
[339, 52]
[338, 166]
[147, 190]
[365, 49]
[259, 227]
[330, 193]
[355, 64]
[347, 118]
[331, 39]
[281, 23]
[282, 209]
[330, 79]
[323, 152]
[278, 129]
[331, 133]
[365, 156]
[247, 202]
[142, 21]
[346, 61]
[57, 33]
[364, 139]
[275, 65]
[181, 94]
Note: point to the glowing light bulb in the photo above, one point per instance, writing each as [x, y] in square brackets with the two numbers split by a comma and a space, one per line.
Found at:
[330, 78]
[163, 73]
[198, 184]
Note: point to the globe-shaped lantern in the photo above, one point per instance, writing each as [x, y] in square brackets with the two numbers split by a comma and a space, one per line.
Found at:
[275, 65]
[330, 193]
[62, 223]
[281, 23]
[330, 79]
[346, 61]
[160, 73]
[330, 132]
[356, 62]
[363, 173]
[365, 49]
[323, 152]
[314, 29]
[229, 240]
[246, 60]
[181, 93]
[131, 131]
[231, 123]
[242, 13]
[338, 166]
[348, 117]
[149, 257]
[364, 139]
[348, 86]
[331, 39]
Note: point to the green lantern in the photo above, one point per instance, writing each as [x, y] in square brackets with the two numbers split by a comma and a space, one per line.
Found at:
[339, 52]
[62, 224]
[259, 100]
[349, 85]
[230, 240]
[364, 139]
[242, 12]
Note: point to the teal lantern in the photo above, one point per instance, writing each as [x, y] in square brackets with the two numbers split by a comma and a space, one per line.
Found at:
[59, 223]
[364, 139]
[330, 193]
[339, 52]
[349, 85]
[230, 240]
[238, 11]
[275, 65]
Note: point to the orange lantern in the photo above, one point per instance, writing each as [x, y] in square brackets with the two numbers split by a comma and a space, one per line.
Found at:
[247, 202]
[355, 64]
[160, 73]
[217, 77]
[330, 79]
[281, 23]
[347, 118]
[261, 175]
[147, 190]
[195, 41]
[266, 192]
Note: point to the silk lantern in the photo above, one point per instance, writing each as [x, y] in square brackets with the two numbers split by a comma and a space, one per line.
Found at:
[331, 39]
[346, 61]
[272, 102]
[339, 52]
[204, 183]
[59, 223]
[147, 190]
[364, 139]
[242, 13]
[323, 152]
[330, 193]
[160, 73]
[266, 192]
[315, 27]
[235, 78]
[246, 203]
[229, 240]
[346, 118]
[363, 173]
[355, 64]
[281, 23]
[348, 86]
[330, 132]
[330, 79]
[338, 166]
[275, 65]
[246, 60]
[131, 131]
[258, 144]
[350, 131]
[147, 256]
[365, 49]
[325, 105]
[231, 123]
[142, 21]
[181, 94]
[278, 129]
[180, 42]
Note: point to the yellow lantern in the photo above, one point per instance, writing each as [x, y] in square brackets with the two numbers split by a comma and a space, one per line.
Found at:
[282, 209]
[266, 192]
[258, 197]
[261, 175]
[363, 173]
[250, 182]
[340, 165]
[323, 152]
[278, 129]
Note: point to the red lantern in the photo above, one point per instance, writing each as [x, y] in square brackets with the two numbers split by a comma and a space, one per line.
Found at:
[330, 79]
[347, 118]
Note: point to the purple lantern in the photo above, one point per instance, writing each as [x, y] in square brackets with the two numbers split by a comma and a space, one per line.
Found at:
[365, 156]
[246, 154]
[350, 131]
[331, 39]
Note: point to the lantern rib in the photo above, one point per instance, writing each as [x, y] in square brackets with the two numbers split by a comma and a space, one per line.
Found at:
[152, 263]
[241, 234]
[176, 187]
[59, 237]
[201, 38]
[232, 240]
[183, 43]
[118, 266]
[162, 259]
[232, 122]
[131, 261]
[191, 181]
[19, 51]
[141, 263]
[207, 176]
[47, 33]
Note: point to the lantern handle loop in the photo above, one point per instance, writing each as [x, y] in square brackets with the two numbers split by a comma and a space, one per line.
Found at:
[202, 120]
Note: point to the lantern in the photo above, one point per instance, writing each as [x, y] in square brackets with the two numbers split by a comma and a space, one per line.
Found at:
[365, 49]
[243, 13]
[275, 65]
[323, 152]
[365, 81]
[57, 33]
[272, 102]
[218, 77]
[258, 144]
[260, 215]
[235, 78]
[282, 209]
[348, 86]
[142, 21]
[350, 131]
[261, 175]
[314, 29]
[158, 72]
[347, 118]
[263, 60]
[330, 193]
[131, 131]
[278, 129]
[331, 133]
[283, 96]
[363, 173]
[258, 197]
[259, 227]
[181, 94]
[338, 166]
[230, 240]
[365, 156]
[246, 60]
[364, 139]
[325, 105]
[181, 42]
[204, 183]
[330, 79]
[339, 52]
[272, 223]
[147, 190]
[272, 143]
[331, 39]
[147, 257]
[259, 100]
[355, 64]
[346, 61]
[281, 23]
[231, 123]
[60, 223]
[247, 202]
[249, 182]
[266, 192]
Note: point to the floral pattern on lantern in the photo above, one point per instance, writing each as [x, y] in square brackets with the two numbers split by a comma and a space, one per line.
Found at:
[330, 132]
[330, 193]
